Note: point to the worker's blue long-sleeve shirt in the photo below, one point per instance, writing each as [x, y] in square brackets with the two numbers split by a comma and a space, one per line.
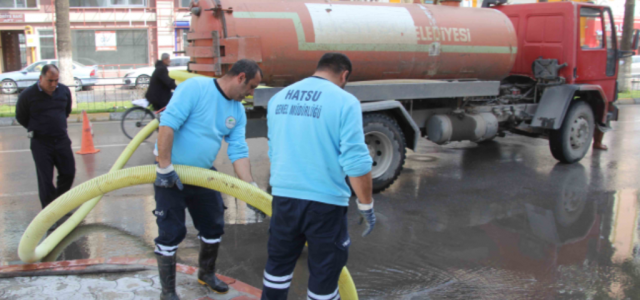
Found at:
[201, 116]
[316, 140]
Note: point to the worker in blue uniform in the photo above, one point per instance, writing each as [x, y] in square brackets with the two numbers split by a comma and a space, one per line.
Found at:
[316, 139]
[201, 113]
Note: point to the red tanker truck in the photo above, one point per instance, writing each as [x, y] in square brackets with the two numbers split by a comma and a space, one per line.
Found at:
[449, 74]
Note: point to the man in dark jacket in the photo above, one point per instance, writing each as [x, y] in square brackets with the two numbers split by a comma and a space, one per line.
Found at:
[43, 109]
[160, 85]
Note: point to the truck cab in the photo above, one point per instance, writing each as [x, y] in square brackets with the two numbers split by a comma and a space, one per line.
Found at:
[579, 35]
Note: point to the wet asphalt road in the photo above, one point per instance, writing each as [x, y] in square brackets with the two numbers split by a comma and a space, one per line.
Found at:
[464, 221]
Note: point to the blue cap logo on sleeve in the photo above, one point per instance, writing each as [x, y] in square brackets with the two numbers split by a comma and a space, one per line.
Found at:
[230, 122]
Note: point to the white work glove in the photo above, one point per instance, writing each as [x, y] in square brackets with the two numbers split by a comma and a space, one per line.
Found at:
[257, 211]
[366, 214]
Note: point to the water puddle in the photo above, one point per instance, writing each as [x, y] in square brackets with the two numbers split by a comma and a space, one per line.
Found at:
[566, 239]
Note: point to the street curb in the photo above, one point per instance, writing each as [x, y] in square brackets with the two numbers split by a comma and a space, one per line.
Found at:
[92, 117]
[628, 101]
[76, 118]
[7, 121]
[84, 263]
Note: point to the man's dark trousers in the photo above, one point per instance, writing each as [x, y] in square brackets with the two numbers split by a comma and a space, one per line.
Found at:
[324, 227]
[51, 152]
[205, 207]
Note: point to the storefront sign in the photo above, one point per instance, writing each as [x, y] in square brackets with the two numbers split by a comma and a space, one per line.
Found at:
[11, 18]
[32, 40]
[106, 41]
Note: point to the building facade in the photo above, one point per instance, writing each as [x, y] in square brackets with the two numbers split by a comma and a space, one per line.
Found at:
[116, 35]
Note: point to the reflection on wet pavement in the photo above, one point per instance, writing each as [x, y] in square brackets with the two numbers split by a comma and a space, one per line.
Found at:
[501, 223]
[500, 220]
[484, 247]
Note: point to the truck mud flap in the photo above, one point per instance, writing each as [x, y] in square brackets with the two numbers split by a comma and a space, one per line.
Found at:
[553, 106]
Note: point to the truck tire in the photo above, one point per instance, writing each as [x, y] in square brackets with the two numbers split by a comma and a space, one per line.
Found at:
[386, 144]
[571, 142]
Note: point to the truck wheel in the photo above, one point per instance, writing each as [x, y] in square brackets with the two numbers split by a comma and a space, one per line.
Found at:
[571, 142]
[386, 145]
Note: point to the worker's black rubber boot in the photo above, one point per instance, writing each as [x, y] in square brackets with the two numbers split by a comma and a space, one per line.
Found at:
[207, 270]
[167, 271]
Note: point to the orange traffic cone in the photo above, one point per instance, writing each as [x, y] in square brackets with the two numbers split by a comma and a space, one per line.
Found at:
[86, 146]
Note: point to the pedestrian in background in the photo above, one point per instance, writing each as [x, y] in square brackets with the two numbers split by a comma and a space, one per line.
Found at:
[160, 85]
[43, 109]
[316, 139]
[201, 113]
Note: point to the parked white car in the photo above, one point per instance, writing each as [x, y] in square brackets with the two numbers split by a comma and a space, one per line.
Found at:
[139, 78]
[12, 82]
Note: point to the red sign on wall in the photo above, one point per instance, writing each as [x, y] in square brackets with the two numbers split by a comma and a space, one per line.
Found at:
[11, 18]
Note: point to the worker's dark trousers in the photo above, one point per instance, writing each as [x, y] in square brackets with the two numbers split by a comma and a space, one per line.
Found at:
[205, 207]
[48, 153]
[324, 227]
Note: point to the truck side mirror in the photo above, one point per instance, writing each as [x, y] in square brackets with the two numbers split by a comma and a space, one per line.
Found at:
[636, 40]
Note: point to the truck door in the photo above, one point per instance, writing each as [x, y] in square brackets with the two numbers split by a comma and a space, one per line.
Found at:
[596, 59]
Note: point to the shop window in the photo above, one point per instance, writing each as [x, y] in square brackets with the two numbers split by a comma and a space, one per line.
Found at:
[106, 3]
[18, 3]
[130, 48]
[23, 50]
[185, 42]
[47, 45]
[127, 2]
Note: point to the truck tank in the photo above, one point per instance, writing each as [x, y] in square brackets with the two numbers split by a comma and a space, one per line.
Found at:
[383, 40]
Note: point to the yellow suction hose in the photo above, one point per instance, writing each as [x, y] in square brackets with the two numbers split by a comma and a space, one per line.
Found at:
[54, 211]
[89, 193]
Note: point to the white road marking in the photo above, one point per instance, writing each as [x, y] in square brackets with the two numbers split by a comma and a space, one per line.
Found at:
[18, 194]
[74, 124]
[77, 147]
